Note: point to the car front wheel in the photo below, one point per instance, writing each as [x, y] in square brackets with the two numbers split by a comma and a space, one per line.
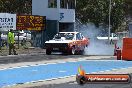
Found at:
[81, 52]
[48, 51]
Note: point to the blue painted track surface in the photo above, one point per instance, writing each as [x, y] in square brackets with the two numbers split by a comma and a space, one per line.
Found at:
[49, 71]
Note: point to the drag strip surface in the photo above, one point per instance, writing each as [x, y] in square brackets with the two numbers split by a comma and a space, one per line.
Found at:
[50, 71]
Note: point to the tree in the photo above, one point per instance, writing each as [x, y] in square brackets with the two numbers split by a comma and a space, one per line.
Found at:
[16, 6]
[128, 9]
[97, 11]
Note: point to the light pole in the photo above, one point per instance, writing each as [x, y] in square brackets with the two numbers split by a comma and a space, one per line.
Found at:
[109, 30]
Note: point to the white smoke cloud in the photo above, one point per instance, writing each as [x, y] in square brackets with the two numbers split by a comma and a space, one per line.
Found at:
[96, 47]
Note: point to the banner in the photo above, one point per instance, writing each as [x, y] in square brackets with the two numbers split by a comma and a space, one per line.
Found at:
[7, 21]
[31, 22]
[103, 78]
[83, 78]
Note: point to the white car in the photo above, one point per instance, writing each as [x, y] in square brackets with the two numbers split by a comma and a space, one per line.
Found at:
[21, 36]
[113, 36]
[4, 36]
[67, 42]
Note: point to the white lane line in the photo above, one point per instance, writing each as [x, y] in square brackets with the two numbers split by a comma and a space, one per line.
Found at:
[115, 69]
[107, 70]
[44, 80]
[65, 77]
[94, 72]
[125, 68]
[129, 67]
[101, 71]
[72, 61]
[62, 77]
[63, 62]
[62, 71]
[56, 63]
[26, 66]
[34, 70]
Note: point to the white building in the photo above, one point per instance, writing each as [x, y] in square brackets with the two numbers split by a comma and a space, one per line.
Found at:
[61, 11]
[60, 15]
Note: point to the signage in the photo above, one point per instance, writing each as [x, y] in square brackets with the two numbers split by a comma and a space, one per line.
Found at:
[7, 21]
[61, 16]
[103, 78]
[31, 22]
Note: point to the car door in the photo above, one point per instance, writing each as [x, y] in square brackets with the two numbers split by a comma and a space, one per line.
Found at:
[82, 41]
[79, 41]
[85, 41]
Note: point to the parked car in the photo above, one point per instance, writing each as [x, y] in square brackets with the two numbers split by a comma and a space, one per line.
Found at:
[67, 42]
[22, 36]
[113, 36]
[26, 34]
[3, 36]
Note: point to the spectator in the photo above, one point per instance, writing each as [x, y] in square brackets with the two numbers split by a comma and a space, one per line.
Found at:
[11, 41]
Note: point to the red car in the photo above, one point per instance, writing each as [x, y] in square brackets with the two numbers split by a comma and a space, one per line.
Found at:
[68, 43]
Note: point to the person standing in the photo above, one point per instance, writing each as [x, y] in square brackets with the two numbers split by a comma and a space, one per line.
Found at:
[11, 41]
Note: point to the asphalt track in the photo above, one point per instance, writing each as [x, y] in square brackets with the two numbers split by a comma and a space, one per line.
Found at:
[20, 75]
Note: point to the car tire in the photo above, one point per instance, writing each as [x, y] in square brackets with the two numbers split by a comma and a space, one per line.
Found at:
[48, 51]
[65, 53]
[87, 45]
[82, 52]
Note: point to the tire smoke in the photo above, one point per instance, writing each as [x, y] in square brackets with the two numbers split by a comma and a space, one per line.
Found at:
[96, 47]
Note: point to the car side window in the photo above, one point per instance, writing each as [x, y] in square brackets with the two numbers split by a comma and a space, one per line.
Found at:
[81, 36]
[78, 37]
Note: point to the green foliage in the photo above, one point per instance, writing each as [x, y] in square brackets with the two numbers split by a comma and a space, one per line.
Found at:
[128, 4]
[97, 11]
[15, 6]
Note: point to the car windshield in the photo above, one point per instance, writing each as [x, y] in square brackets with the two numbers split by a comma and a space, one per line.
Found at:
[67, 36]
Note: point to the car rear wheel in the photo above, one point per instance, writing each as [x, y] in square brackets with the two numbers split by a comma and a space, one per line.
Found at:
[82, 52]
[48, 51]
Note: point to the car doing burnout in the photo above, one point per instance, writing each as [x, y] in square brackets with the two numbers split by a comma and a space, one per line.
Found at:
[67, 42]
